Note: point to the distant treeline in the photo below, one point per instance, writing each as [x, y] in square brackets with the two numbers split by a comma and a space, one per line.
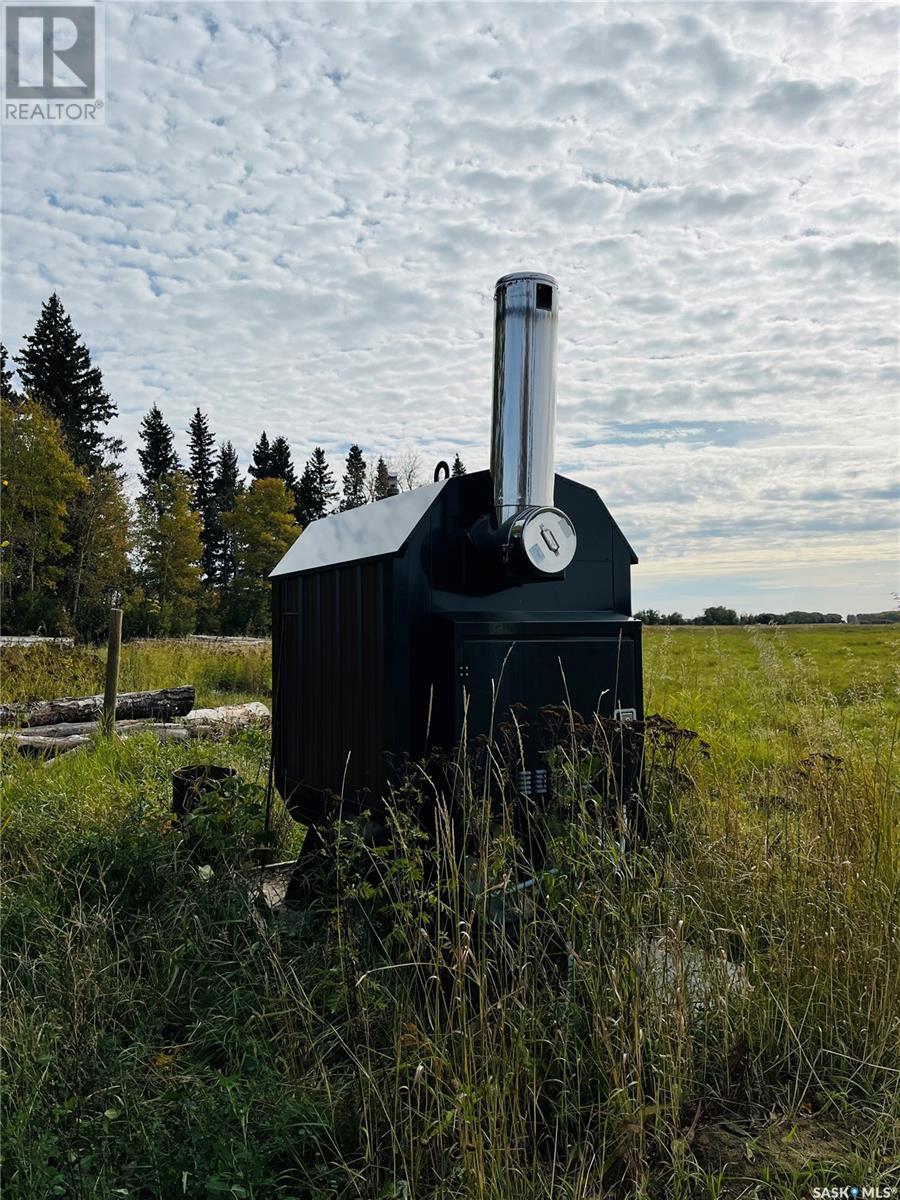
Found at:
[716, 615]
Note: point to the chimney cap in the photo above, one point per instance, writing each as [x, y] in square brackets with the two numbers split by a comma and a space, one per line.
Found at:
[536, 276]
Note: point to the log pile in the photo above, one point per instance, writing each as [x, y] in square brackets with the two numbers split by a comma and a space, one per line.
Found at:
[8, 639]
[54, 727]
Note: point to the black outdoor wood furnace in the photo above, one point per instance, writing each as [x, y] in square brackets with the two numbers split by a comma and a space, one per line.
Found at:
[466, 601]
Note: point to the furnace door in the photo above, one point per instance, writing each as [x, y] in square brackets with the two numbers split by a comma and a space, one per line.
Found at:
[502, 677]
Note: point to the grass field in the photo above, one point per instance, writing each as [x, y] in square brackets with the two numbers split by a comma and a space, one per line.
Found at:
[715, 1013]
[220, 674]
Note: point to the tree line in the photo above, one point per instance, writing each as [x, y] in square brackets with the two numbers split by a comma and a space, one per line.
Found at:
[193, 551]
[718, 615]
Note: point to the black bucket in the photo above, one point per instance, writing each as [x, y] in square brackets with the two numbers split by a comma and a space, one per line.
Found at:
[190, 783]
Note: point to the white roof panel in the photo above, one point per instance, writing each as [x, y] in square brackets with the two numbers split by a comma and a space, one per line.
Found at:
[368, 532]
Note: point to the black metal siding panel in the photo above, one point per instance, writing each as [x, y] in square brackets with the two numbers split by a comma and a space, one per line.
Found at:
[328, 644]
[347, 697]
[370, 678]
[287, 600]
[330, 681]
[309, 667]
[397, 657]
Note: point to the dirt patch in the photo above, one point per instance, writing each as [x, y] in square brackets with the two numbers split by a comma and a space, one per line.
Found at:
[784, 1149]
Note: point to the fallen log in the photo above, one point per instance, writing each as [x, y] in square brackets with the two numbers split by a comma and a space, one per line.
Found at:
[165, 733]
[41, 743]
[69, 729]
[237, 715]
[167, 702]
[50, 745]
[214, 639]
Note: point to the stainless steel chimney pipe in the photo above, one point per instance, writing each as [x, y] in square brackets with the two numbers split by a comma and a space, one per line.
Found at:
[524, 405]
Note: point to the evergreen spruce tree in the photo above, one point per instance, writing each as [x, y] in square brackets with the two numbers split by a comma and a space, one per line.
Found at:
[459, 467]
[306, 496]
[354, 483]
[227, 487]
[325, 485]
[261, 465]
[157, 455]
[201, 473]
[382, 480]
[281, 466]
[55, 369]
[7, 392]
[324, 481]
[316, 491]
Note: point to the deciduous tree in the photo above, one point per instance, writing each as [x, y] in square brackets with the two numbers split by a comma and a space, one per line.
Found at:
[170, 552]
[408, 468]
[99, 571]
[716, 614]
[649, 616]
[40, 483]
[264, 528]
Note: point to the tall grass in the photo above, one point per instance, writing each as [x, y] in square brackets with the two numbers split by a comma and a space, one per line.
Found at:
[219, 673]
[714, 1012]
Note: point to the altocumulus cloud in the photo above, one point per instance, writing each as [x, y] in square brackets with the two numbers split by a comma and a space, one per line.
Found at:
[295, 213]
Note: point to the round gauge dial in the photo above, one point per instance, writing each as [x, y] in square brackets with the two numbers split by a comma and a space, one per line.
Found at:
[548, 540]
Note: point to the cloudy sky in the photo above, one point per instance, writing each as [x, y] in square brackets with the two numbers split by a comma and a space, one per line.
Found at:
[294, 215]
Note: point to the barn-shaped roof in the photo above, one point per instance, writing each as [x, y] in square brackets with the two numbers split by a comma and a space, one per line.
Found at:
[377, 530]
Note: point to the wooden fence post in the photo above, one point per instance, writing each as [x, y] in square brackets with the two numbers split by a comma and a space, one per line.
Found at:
[110, 695]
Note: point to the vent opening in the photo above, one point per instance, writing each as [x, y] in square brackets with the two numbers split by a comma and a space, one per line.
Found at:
[544, 297]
